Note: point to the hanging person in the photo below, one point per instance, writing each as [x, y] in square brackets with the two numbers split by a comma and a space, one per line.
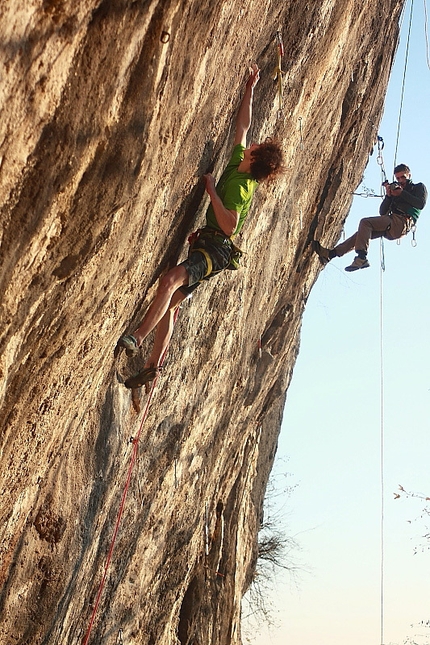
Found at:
[398, 213]
[212, 251]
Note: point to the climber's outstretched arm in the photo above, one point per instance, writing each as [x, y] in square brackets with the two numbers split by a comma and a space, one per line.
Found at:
[244, 116]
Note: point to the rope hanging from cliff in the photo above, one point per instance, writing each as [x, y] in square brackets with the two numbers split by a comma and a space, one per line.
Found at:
[402, 93]
[426, 35]
[123, 498]
[380, 141]
[381, 335]
[382, 442]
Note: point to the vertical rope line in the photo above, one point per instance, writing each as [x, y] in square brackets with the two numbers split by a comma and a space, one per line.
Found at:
[403, 83]
[381, 357]
[426, 35]
[119, 516]
[124, 494]
[382, 483]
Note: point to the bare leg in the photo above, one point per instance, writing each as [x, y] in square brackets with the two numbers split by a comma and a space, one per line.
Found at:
[167, 289]
[164, 331]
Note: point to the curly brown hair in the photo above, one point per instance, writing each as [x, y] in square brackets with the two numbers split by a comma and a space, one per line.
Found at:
[267, 161]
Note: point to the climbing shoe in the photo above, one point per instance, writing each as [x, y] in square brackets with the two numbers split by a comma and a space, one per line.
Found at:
[322, 252]
[142, 378]
[359, 263]
[127, 342]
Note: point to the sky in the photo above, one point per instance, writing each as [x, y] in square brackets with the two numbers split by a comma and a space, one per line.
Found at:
[356, 423]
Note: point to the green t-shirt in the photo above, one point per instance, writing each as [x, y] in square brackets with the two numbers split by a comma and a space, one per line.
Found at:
[235, 189]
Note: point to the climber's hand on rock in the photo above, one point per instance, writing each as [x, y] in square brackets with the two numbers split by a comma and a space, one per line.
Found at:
[254, 76]
[209, 183]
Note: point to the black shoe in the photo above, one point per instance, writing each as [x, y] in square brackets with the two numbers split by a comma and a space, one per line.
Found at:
[358, 263]
[322, 252]
[127, 342]
[145, 376]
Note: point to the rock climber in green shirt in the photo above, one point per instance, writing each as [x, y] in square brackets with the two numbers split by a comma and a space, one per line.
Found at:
[211, 249]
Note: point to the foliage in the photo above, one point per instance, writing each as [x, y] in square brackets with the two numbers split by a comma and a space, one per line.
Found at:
[277, 554]
[423, 517]
[422, 638]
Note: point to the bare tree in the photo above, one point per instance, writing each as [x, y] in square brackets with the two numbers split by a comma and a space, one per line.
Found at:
[423, 636]
[276, 554]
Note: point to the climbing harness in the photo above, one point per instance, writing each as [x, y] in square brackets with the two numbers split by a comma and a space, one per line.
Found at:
[235, 258]
[212, 234]
[208, 260]
[278, 73]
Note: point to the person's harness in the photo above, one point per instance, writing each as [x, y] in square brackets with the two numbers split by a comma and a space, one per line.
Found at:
[212, 235]
[410, 223]
[409, 220]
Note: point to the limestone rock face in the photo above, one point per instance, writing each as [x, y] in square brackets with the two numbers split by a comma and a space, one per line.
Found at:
[111, 111]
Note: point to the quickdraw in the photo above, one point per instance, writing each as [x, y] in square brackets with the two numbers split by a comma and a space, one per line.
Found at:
[302, 145]
[278, 73]
[380, 158]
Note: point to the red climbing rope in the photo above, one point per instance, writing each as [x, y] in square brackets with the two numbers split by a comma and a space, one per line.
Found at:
[120, 512]
[124, 495]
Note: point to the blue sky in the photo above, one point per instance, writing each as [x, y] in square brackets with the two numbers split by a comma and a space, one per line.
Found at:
[330, 442]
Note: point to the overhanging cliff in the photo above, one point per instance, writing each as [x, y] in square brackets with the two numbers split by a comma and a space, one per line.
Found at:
[111, 111]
